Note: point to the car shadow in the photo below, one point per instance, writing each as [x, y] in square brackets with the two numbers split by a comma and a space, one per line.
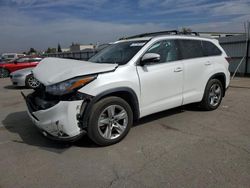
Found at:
[158, 116]
[15, 87]
[19, 123]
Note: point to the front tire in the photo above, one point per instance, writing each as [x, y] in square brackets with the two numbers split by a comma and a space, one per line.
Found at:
[4, 73]
[110, 121]
[212, 95]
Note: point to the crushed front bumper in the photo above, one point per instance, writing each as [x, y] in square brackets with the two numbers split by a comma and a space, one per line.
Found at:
[59, 120]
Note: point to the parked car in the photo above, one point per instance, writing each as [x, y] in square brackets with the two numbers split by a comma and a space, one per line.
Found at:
[24, 77]
[11, 56]
[20, 63]
[128, 80]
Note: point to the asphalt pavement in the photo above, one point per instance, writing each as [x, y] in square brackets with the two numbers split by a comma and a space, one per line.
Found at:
[182, 147]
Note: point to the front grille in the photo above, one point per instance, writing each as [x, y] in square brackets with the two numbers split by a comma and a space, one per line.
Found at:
[41, 100]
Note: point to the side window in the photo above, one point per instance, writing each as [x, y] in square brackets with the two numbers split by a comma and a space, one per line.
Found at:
[22, 60]
[167, 49]
[209, 49]
[191, 49]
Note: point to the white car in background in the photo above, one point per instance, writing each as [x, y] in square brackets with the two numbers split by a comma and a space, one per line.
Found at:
[11, 56]
[24, 77]
[128, 80]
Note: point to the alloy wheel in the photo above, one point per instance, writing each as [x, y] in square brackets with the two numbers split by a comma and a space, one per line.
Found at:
[215, 94]
[32, 82]
[112, 122]
[4, 73]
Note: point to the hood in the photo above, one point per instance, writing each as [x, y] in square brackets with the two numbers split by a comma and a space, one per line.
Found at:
[25, 71]
[53, 70]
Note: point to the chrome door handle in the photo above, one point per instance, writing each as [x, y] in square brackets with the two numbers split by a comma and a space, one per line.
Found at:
[208, 63]
[178, 69]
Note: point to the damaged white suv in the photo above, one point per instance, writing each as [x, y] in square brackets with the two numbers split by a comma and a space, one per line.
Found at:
[128, 80]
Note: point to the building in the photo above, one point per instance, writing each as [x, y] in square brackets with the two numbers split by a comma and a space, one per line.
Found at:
[75, 47]
[65, 49]
[218, 34]
[237, 47]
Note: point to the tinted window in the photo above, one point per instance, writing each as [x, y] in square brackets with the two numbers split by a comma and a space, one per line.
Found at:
[167, 49]
[191, 49]
[209, 49]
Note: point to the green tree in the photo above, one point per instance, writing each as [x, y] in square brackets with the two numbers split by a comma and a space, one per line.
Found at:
[48, 50]
[59, 49]
[32, 51]
[186, 30]
[51, 50]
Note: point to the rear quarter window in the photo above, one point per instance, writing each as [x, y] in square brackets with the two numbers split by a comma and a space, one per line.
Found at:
[191, 49]
[210, 49]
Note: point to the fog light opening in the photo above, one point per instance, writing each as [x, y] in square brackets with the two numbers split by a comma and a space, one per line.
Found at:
[45, 134]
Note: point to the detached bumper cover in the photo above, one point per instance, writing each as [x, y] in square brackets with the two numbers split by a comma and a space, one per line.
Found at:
[59, 121]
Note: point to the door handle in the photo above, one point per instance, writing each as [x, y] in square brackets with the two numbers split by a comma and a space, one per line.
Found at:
[178, 69]
[208, 63]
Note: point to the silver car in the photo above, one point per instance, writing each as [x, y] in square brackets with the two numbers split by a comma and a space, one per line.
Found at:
[24, 77]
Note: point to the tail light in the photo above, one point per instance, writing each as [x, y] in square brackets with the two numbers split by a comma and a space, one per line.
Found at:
[228, 59]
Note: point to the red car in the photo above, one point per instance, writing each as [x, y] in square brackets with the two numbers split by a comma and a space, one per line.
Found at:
[20, 63]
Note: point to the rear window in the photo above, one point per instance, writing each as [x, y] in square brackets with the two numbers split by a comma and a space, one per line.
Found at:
[191, 49]
[209, 49]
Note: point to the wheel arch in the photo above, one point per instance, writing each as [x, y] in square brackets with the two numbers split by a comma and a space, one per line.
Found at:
[222, 78]
[125, 93]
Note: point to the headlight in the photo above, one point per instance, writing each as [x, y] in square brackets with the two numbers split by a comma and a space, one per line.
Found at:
[69, 86]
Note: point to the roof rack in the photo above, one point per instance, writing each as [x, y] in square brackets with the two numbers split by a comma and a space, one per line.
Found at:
[170, 32]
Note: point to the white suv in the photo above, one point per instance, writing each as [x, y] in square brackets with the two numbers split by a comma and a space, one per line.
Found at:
[128, 80]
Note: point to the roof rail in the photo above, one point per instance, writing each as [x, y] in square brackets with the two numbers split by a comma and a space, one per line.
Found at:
[170, 32]
[153, 34]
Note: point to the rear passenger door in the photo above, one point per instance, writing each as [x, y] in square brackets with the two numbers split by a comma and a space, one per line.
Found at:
[197, 69]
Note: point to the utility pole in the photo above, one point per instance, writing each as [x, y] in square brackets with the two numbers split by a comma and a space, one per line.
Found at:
[247, 48]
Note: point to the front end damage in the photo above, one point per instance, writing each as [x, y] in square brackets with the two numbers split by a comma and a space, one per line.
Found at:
[58, 117]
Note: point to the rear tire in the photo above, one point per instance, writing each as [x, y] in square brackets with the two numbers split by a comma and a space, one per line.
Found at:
[4, 73]
[212, 95]
[110, 121]
[31, 82]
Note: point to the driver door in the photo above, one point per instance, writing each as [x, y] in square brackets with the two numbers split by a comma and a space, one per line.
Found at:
[161, 82]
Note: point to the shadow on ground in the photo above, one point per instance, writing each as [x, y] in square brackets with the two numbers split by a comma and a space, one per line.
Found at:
[15, 87]
[19, 123]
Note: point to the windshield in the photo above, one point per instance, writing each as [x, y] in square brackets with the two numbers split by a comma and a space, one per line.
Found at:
[21, 60]
[119, 53]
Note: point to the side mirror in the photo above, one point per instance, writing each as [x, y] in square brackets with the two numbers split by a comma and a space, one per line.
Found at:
[150, 58]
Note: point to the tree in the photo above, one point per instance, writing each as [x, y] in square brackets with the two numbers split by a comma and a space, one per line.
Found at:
[51, 50]
[32, 51]
[48, 50]
[59, 48]
[186, 30]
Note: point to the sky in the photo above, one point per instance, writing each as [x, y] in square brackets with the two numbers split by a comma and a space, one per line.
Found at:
[45, 23]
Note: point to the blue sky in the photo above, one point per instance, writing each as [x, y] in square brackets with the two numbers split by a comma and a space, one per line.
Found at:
[44, 23]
